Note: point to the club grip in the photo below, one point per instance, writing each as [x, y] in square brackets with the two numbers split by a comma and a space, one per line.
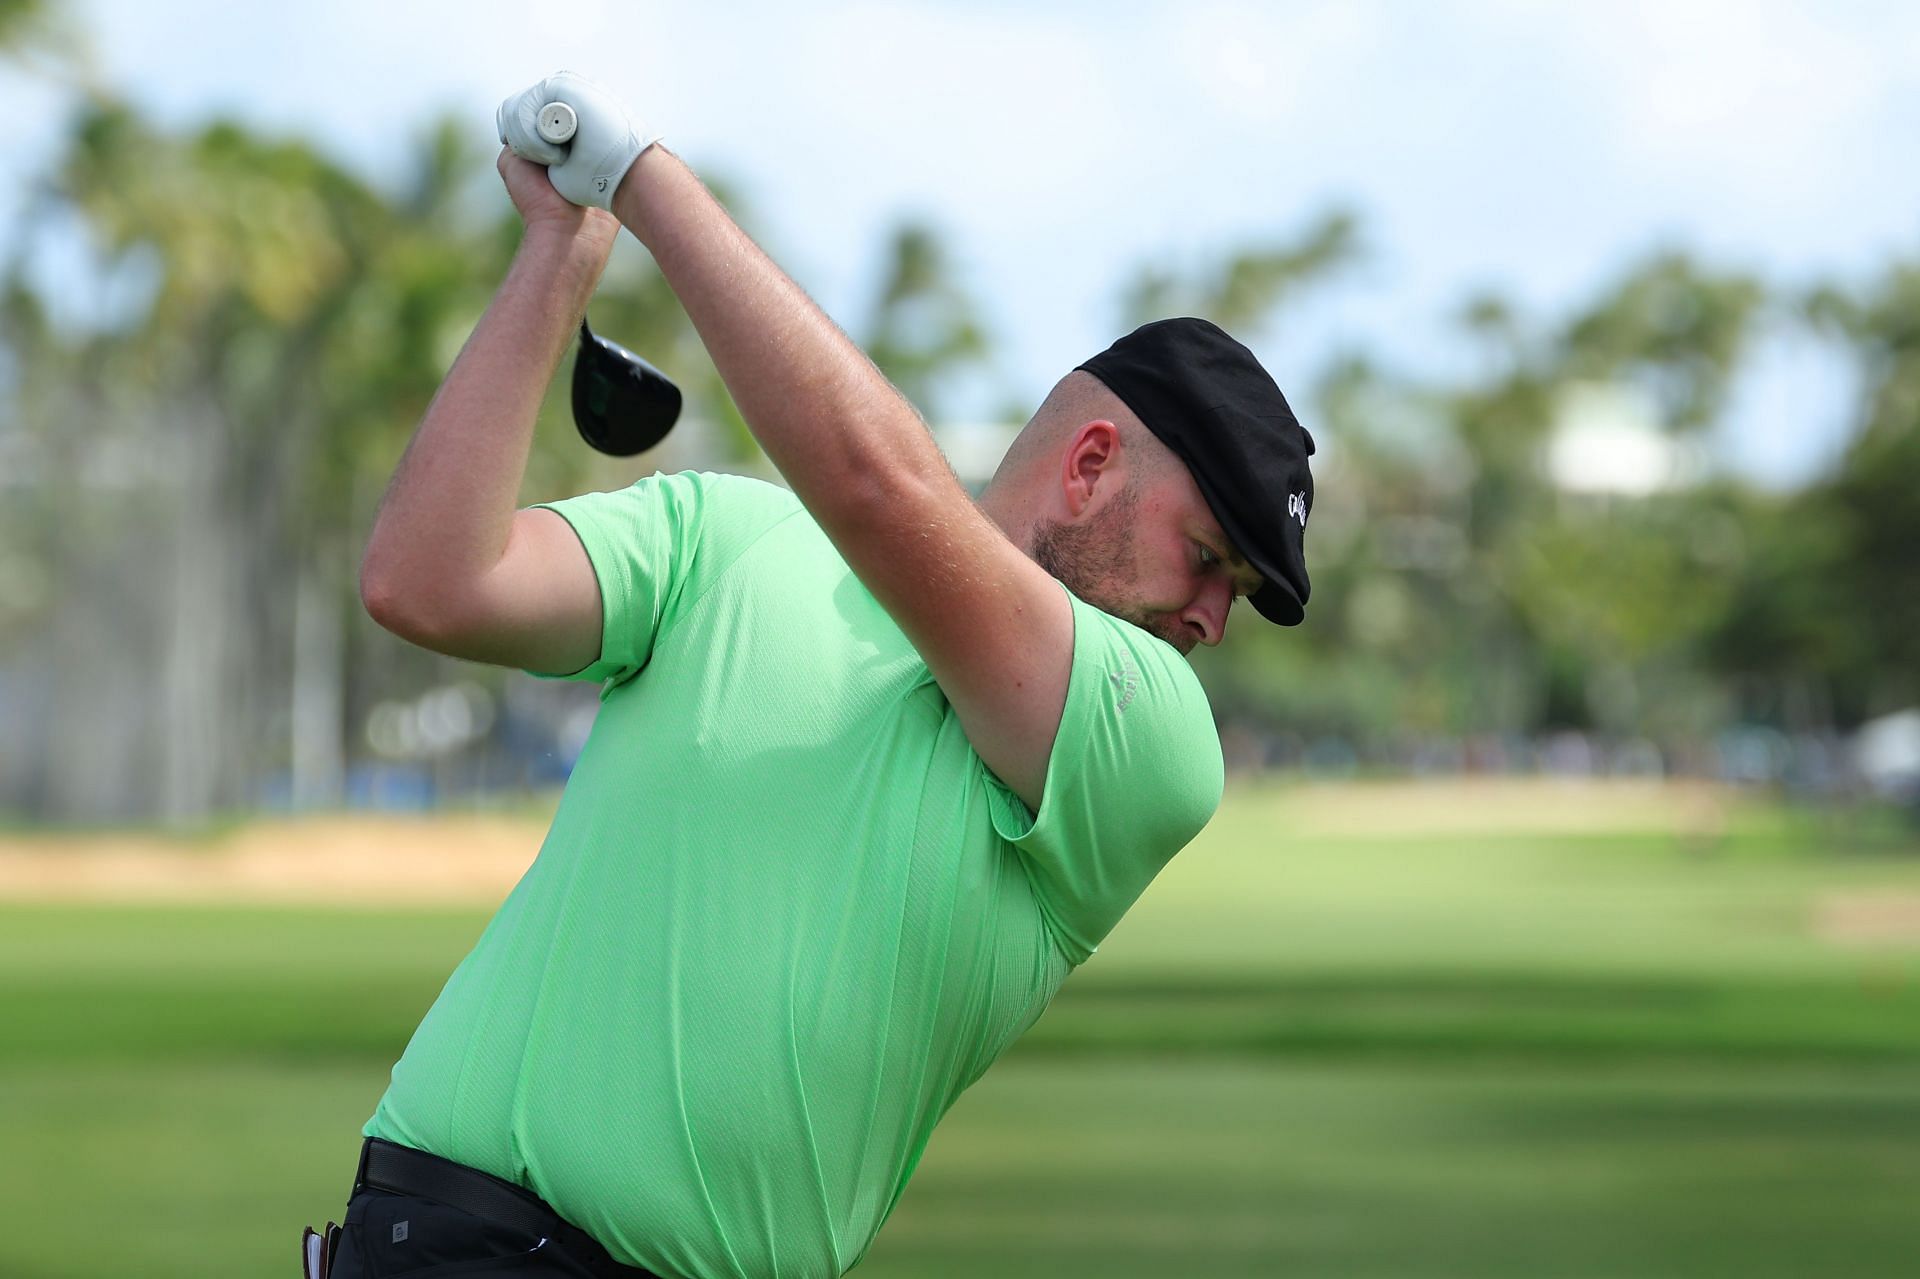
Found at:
[557, 123]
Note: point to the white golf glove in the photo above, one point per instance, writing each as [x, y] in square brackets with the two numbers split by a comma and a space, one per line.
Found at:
[587, 168]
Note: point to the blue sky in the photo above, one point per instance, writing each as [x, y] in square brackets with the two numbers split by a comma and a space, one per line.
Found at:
[1528, 147]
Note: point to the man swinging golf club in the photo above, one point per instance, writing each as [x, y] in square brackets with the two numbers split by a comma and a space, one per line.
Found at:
[876, 766]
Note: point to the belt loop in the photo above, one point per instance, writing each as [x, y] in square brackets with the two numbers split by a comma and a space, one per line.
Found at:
[360, 1169]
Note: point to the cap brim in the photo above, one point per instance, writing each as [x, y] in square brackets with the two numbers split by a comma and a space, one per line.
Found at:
[1276, 603]
[1275, 600]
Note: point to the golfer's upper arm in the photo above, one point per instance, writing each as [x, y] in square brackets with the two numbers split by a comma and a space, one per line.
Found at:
[537, 609]
[995, 629]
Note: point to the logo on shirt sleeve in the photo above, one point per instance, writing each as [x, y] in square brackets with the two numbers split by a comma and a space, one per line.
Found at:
[1126, 683]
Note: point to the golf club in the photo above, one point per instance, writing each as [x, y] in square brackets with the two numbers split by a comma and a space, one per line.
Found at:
[621, 404]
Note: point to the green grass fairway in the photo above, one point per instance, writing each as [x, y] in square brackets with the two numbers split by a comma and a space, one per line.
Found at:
[1335, 1040]
[1117, 1168]
[1383, 1171]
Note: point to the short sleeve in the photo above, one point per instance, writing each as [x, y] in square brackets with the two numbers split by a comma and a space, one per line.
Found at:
[1136, 771]
[651, 545]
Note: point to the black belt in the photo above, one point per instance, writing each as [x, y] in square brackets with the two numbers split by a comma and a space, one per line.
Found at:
[402, 1170]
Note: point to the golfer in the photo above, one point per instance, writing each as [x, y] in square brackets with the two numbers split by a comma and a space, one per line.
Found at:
[876, 765]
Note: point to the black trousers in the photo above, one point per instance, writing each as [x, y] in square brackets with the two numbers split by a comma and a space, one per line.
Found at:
[386, 1234]
[416, 1215]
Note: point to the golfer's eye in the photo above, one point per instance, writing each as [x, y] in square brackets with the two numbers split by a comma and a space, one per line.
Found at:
[1204, 554]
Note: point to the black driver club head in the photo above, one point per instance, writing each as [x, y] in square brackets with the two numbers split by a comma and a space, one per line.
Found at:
[621, 404]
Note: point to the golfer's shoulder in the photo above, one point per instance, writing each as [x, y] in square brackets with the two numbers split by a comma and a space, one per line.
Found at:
[1138, 691]
[1135, 774]
[718, 493]
[677, 527]
[1144, 671]
[702, 505]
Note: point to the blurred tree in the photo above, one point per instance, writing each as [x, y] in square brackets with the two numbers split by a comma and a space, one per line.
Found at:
[1458, 589]
[1874, 497]
[1614, 591]
[924, 326]
[1241, 290]
[266, 330]
[240, 382]
[1675, 329]
[1623, 588]
[36, 34]
[1825, 627]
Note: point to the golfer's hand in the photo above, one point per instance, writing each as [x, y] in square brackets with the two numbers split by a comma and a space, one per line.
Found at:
[586, 169]
[541, 207]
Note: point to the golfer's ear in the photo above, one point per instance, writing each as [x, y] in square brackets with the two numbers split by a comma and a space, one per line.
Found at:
[1092, 458]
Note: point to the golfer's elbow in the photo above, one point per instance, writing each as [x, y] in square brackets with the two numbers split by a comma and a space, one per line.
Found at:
[403, 605]
[384, 599]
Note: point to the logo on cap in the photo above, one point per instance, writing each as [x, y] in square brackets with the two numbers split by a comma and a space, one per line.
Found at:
[1297, 507]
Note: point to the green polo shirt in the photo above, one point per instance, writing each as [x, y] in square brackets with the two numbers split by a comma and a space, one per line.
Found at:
[784, 915]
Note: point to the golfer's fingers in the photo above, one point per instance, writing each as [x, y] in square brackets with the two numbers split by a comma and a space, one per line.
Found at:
[518, 119]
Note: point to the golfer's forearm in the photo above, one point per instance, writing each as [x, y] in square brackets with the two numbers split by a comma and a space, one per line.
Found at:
[445, 519]
[852, 448]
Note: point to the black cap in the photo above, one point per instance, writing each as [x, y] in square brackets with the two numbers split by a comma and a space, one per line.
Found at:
[1206, 398]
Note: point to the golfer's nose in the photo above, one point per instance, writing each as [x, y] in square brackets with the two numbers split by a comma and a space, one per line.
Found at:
[1207, 614]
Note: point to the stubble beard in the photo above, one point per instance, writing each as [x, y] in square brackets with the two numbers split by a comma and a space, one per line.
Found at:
[1095, 559]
